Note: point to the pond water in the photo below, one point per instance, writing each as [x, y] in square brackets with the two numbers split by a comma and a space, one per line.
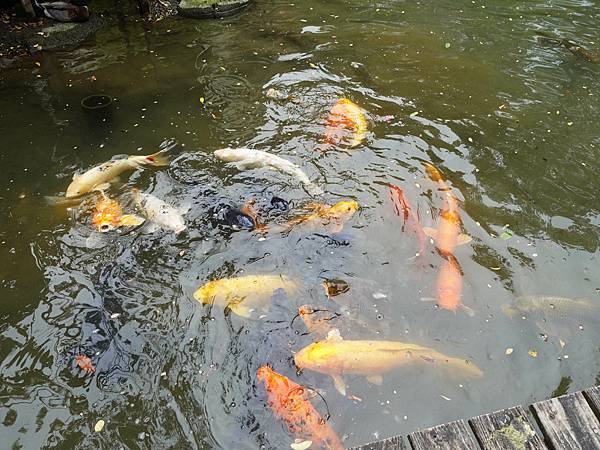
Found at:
[511, 123]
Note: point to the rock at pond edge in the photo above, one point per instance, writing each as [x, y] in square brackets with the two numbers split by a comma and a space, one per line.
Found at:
[210, 9]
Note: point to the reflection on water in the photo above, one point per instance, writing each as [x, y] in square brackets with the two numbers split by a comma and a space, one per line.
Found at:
[510, 123]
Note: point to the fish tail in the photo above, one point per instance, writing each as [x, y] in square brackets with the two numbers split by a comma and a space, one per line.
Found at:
[158, 159]
[62, 201]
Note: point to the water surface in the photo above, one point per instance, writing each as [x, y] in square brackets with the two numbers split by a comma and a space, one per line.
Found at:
[511, 123]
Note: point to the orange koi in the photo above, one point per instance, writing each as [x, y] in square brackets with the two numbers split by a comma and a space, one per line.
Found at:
[85, 363]
[332, 217]
[447, 237]
[289, 403]
[346, 115]
[108, 216]
[403, 209]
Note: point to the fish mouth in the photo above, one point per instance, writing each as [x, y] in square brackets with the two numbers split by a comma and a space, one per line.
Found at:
[105, 228]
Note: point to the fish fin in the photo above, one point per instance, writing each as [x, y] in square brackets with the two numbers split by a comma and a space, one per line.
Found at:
[299, 444]
[243, 165]
[463, 239]
[314, 206]
[184, 209]
[508, 310]
[430, 232]
[131, 220]
[313, 190]
[375, 379]
[102, 187]
[158, 159]
[428, 299]
[468, 311]
[334, 335]
[339, 384]
[241, 310]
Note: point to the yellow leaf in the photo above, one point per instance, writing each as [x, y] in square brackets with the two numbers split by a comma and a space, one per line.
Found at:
[508, 351]
[202, 100]
[532, 353]
[99, 426]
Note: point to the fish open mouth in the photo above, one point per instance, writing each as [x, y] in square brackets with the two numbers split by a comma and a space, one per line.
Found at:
[105, 228]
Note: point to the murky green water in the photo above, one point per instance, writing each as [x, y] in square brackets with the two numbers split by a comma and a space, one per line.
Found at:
[511, 123]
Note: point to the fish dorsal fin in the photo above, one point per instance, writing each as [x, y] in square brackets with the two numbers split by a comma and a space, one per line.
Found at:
[339, 384]
[431, 232]
[334, 335]
[240, 309]
[314, 206]
[468, 311]
[375, 379]
[463, 239]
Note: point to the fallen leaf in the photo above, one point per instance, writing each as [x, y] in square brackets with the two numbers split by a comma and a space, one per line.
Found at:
[562, 343]
[99, 426]
[532, 353]
[506, 234]
[202, 100]
[508, 351]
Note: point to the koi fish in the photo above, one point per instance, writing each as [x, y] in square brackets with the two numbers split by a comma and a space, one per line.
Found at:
[403, 209]
[246, 158]
[331, 217]
[290, 403]
[336, 357]
[98, 177]
[243, 295]
[447, 237]
[575, 49]
[108, 216]
[346, 114]
[550, 305]
[449, 286]
[85, 363]
[159, 213]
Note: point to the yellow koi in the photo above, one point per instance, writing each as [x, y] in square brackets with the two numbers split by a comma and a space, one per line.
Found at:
[243, 295]
[336, 357]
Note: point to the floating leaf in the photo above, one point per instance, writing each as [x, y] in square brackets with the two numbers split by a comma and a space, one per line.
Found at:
[532, 353]
[202, 100]
[506, 234]
[99, 426]
[508, 351]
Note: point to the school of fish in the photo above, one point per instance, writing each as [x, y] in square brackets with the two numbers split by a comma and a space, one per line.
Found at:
[250, 295]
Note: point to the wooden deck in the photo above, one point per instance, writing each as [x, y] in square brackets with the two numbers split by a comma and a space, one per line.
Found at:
[568, 422]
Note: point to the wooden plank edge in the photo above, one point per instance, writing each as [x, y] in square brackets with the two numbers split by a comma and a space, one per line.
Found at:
[391, 443]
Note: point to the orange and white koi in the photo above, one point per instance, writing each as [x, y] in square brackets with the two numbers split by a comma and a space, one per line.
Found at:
[98, 177]
[336, 357]
[290, 403]
[108, 215]
[346, 115]
[331, 217]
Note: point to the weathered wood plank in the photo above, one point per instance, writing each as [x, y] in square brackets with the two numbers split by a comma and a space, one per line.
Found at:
[593, 397]
[451, 436]
[393, 443]
[568, 422]
[508, 429]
